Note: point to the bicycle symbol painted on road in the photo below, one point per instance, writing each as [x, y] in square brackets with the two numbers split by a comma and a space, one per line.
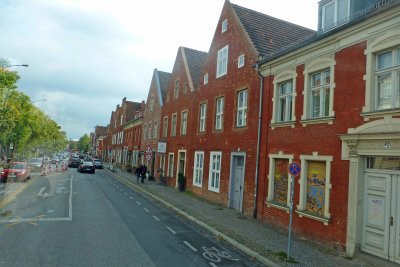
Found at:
[213, 254]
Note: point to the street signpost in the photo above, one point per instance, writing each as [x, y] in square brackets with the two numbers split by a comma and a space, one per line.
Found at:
[148, 154]
[294, 170]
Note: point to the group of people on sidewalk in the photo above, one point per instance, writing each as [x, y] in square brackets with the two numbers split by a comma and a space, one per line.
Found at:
[141, 172]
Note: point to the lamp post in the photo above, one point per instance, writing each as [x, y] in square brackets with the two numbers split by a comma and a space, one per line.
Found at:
[37, 100]
[17, 65]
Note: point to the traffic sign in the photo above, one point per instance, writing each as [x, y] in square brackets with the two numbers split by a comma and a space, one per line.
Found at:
[294, 168]
[148, 154]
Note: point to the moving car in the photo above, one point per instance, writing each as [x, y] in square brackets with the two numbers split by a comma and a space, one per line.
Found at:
[98, 164]
[16, 172]
[86, 166]
[36, 164]
[73, 162]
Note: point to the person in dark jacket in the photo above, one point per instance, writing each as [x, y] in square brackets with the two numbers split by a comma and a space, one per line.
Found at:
[138, 173]
[144, 171]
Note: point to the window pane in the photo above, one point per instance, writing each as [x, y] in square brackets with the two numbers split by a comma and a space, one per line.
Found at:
[281, 181]
[329, 15]
[398, 57]
[326, 103]
[327, 77]
[316, 80]
[315, 104]
[383, 163]
[282, 109]
[385, 90]
[385, 60]
[343, 11]
[316, 179]
[289, 108]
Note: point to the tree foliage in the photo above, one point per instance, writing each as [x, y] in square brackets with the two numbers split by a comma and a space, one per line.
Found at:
[22, 125]
[83, 144]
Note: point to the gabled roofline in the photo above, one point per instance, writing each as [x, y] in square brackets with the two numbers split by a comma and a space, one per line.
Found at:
[182, 49]
[158, 87]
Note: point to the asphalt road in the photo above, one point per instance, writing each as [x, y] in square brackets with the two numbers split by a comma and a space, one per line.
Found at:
[73, 219]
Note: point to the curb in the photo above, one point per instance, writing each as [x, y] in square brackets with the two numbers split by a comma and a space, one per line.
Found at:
[214, 231]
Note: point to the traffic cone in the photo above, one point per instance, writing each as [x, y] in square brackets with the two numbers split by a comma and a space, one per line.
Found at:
[56, 167]
[49, 168]
[43, 173]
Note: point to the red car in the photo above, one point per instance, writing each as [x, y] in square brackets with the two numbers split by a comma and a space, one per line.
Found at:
[16, 172]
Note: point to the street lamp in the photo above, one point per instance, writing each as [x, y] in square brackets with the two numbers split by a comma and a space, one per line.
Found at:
[20, 65]
[42, 99]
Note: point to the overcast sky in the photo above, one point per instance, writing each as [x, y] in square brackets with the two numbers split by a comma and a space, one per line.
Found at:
[84, 56]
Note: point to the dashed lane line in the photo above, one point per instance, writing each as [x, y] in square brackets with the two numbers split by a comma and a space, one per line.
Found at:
[137, 202]
[170, 229]
[156, 218]
[212, 264]
[190, 246]
[131, 197]
[146, 210]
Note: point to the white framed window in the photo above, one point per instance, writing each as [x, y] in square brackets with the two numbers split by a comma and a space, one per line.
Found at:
[335, 13]
[222, 61]
[202, 117]
[176, 89]
[184, 122]
[241, 61]
[219, 113]
[319, 94]
[382, 78]
[165, 127]
[279, 181]
[173, 124]
[144, 132]
[224, 26]
[149, 131]
[185, 87]
[170, 172]
[241, 113]
[162, 164]
[215, 171]
[205, 79]
[155, 130]
[319, 91]
[122, 119]
[315, 186]
[285, 101]
[387, 79]
[198, 168]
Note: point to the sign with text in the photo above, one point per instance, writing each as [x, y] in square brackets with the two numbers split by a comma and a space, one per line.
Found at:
[148, 154]
[162, 147]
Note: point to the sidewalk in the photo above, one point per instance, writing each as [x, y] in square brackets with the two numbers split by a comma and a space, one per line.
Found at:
[267, 243]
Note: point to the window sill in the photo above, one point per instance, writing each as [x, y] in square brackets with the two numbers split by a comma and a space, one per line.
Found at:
[197, 185]
[282, 124]
[213, 190]
[380, 114]
[325, 220]
[278, 206]
[328, 120]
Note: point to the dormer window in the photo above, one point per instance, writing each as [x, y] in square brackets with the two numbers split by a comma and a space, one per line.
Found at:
[224, 26]
[222, 61]
[176, 89]
[334, 13]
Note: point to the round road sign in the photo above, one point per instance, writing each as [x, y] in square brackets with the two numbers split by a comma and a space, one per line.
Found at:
[294, 168]
[148, 154]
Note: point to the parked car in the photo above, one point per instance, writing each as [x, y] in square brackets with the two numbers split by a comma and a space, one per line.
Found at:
[55, 160]
[73, 162]
[16, 172]
[36, 164]
[86, 166]
[98, 164]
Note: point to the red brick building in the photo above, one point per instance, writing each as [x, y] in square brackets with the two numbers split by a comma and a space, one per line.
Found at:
[152, 119]
[332, 104]
[132, 138]
[123, 113]
[222, 156]
[177, 112]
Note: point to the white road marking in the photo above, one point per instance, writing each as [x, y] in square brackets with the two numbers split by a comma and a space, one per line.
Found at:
[70, 198]
[146, 210]
[45, 195]
[18, 220]
[156, 218]
[170, 229]
[131, 197]
[137, 202]
[213, 264]
[40, 194]
[190, 246]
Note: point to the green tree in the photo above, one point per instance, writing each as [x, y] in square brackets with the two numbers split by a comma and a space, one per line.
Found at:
[83, 144]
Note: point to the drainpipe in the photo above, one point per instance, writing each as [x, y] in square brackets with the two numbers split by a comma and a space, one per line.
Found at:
[258, 142]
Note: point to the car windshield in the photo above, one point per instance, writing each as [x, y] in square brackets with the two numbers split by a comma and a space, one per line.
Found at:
[35, 160]
[17, 165]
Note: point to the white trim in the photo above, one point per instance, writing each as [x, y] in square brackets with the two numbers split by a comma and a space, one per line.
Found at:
[224, 25]
[303, 184]
[282, 77]
[222, 61]
[272, 157]
[219, 114]
[242, 109]
[170, 164]
[184, 124]
[217, 173]
[200, 168]
[178, 165]
[173, 129]
[202, 119]
[240, 61]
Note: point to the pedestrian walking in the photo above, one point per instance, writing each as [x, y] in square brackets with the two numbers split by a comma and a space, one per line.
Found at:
[144, 171]
[138, 173]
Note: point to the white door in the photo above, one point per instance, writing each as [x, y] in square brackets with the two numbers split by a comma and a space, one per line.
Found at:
[238, 180]
[381, 227]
